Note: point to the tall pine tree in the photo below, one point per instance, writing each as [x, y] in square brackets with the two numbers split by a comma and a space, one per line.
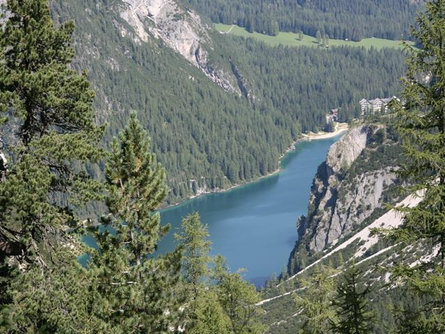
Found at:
[133, 291]
[50, 106]
[195, 249]
[46, 113]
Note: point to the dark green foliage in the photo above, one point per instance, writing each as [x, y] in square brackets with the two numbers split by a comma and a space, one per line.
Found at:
[50, 105]
[47, 108]
[136, 189]
[351, 304]
[199, 131]
[124, 288]
[422, 125]
[421, 121]
[131, 289]
[49, 300]
[340, 19]
[330, 127]
[303, 84]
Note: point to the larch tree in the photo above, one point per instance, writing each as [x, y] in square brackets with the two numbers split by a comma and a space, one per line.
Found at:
[238, 299]
[209, 316]
[203, 311]
[314, 301]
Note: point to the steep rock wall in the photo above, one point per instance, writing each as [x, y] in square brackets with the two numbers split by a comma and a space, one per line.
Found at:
[353, 182]
[180, 29]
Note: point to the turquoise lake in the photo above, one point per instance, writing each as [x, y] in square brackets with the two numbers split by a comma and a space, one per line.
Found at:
[254, 226]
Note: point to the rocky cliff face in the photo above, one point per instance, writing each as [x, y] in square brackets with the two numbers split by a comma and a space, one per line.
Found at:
[180, 29]
[348, 188]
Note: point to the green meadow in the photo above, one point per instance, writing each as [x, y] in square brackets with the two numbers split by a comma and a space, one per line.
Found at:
[291, 39]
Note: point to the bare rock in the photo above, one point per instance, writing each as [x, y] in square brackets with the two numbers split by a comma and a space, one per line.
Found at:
[180, 29]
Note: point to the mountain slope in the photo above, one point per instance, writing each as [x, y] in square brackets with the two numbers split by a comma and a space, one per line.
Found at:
[220, 110]
[340, 19]
[347, 203]
[349, 190]
[180, 29]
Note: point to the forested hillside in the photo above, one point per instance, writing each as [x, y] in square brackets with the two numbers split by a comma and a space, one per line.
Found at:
[206, 137]
[342, 19]
[123, 288]
[337, 236]
[362, 266]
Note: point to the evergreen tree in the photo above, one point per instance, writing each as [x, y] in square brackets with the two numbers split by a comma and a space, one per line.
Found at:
[195, 250]
[210, 316]
[421, 121]
[132, 291]
[352, 305]
[224, 304]
[46, 108]
[326, 40]
[422, 124]
[50, 300]
[237, 298]
[314, 302]
[195, 246]
[300, 35]
[51, 106]
[136, 190]
[275, 29]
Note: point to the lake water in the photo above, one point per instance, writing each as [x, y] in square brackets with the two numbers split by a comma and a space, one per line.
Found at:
[254, 226]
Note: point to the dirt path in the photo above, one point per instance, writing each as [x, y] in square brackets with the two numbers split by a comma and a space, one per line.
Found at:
[228, 31]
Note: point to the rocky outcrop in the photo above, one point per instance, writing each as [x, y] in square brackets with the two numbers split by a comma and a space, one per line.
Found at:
[344, 152]
[359, 171]
[180, 29]
[338, 215]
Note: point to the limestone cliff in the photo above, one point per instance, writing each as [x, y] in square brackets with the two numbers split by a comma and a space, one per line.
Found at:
[349, 187]
[180, 29]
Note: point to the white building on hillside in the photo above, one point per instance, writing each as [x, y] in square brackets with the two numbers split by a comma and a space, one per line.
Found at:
[376, 105]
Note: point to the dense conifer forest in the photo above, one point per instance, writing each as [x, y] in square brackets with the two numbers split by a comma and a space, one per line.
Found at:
[60, 144]
[342, 19]
[199, 131]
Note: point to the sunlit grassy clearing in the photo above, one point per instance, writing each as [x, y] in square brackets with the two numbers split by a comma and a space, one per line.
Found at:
[291, 39]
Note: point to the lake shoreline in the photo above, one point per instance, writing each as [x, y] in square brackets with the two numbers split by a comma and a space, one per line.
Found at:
[341, 128]
[253, 226]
